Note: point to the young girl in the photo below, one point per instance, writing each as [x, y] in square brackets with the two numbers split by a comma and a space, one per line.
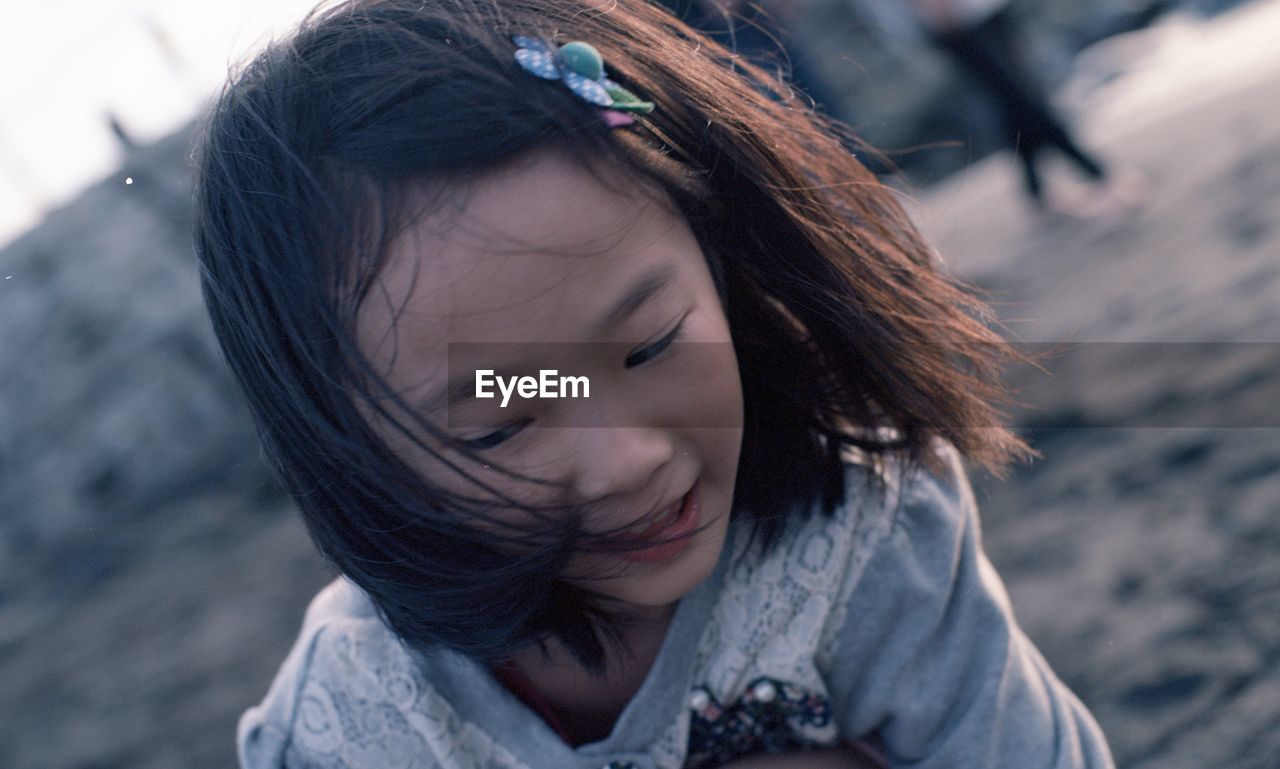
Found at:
[742, 536]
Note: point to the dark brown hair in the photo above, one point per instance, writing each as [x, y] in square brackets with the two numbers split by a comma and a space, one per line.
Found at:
[845, 330]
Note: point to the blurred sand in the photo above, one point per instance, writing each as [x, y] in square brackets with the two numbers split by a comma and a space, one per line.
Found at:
[1144, 557]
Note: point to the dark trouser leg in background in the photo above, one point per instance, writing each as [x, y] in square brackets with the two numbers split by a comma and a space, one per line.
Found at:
[1030, 176]
[987, 53]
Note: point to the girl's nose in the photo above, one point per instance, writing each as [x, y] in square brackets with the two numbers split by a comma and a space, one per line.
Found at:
[619, 460]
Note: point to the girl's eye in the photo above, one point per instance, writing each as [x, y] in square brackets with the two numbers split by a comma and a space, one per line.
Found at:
[499, 436]
[654, 350]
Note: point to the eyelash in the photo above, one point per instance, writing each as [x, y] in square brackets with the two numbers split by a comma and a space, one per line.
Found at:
[647, 354]
[637, 358]
[499, 436]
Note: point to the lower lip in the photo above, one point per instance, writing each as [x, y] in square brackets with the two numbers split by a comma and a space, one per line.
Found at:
[678, 533]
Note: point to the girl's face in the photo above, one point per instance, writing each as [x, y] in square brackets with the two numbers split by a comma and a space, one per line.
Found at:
[539, 267]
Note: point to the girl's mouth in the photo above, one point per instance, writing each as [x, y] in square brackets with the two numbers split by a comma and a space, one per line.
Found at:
[670, 530]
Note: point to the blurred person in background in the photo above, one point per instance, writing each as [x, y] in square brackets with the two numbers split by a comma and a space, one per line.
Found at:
[981, 36]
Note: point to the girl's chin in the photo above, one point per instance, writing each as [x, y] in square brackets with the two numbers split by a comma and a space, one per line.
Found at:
[652, 586]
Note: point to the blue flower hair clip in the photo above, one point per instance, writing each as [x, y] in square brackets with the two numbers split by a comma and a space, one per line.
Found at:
[581, 68]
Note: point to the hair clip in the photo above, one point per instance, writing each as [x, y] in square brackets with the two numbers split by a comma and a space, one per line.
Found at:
[581, 68]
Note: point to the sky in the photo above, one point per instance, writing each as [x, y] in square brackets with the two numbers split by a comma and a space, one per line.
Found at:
[66, 65]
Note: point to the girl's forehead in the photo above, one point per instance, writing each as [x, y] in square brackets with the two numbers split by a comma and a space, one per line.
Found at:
[531, 252]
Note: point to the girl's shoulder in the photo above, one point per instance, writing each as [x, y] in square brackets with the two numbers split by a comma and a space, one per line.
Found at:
[902, 526]
[882, 492]
[779, 617]
[891, 509]
[886, 497]
[351, 694]
[889, 499]
[329, 694]
[264, 731]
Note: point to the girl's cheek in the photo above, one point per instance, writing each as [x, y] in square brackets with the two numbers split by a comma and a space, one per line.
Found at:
[711, 389]
[707, 324]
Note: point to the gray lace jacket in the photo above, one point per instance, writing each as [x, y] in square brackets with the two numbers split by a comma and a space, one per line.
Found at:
[884, 620]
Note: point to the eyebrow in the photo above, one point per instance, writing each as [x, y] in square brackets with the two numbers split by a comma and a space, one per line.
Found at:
[648, 286]
[644, 289]
[459, 389]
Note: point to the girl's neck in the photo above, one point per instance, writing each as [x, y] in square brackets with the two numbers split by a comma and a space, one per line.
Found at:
[643, 627]
[587, 705]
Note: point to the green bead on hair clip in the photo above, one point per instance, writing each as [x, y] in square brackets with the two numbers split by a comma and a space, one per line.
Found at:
[581, 67]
